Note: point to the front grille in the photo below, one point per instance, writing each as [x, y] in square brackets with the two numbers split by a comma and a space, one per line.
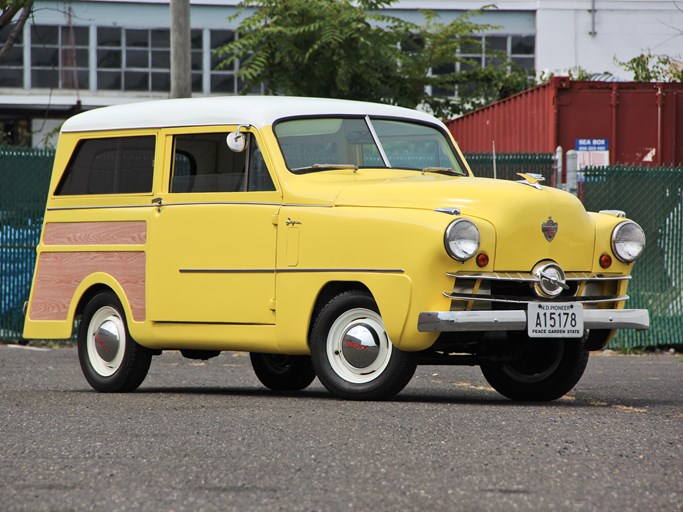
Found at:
[504, 291]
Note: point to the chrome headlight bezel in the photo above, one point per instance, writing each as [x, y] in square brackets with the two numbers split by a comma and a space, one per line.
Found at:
[461, 239]
[628, 241]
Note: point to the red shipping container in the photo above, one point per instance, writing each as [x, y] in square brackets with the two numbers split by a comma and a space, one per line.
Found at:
[638, 123]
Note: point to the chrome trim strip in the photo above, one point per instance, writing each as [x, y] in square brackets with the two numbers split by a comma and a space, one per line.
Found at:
[189, 203]
[226, 271]
[511, 300]
[597, 278]
[290, 270]
[375, 138]
[176, 322]
[527, 277]
[120, 207]
[295, 205]
[218, 203]
[453, 321]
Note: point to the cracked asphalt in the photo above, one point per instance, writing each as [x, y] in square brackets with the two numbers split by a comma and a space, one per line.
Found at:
[206, 436]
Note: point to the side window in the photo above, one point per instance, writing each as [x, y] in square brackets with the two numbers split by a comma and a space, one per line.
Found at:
[203, 162]
[259, 178]
[116, 165]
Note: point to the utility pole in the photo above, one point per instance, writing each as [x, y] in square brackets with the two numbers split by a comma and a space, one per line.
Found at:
[181, 71]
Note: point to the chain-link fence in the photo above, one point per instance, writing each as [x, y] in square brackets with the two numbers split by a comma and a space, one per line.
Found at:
[507, 165]
[653, 197]
[24, 180]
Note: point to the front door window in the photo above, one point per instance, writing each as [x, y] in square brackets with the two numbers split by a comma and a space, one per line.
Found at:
[204, 163]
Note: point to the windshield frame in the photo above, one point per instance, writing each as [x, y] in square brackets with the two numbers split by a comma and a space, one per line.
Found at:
[368, 118]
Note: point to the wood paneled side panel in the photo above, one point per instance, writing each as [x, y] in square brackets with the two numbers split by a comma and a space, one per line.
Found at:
[59, 274]
[95, 233]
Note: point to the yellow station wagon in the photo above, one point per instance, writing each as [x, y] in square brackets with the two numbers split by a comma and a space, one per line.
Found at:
[328, 238]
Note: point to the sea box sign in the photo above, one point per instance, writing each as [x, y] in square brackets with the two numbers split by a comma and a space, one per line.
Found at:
[592, 152]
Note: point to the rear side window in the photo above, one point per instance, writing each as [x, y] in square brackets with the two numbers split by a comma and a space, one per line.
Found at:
[117, 165]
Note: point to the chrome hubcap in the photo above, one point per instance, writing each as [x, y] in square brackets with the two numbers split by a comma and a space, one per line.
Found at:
[106, 341]
[358, 347]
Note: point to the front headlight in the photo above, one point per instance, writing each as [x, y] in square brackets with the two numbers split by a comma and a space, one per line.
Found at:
[628, 241]
[462, 239]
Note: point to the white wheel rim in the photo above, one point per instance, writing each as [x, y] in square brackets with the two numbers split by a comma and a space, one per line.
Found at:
[358, 347]
[106, 341]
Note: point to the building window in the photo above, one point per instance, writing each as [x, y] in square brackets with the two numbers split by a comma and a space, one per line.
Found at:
[487, 51]
[224, 79]
[140, 59]
[11, 68]
[109, 58]
[197, 49]
[59, 57]
[522, 50]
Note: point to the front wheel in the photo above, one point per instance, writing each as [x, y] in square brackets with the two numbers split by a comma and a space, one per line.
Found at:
[352, 353]
[544, 371]
[110, 358]
[283, 372]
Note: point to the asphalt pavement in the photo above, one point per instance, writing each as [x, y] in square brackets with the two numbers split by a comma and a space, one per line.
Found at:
[206, 436]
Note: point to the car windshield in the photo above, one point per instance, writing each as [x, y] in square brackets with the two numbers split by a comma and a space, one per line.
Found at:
[318, 144]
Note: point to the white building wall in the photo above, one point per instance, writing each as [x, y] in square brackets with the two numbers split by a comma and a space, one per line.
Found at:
[587, 33]
[623, 29]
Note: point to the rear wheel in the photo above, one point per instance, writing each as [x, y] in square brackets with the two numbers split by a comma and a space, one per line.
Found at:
[352, 353]
[282, 372]
[110, 358]
[545, 370]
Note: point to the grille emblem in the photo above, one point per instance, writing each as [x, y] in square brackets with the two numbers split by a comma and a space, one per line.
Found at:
[551, 281]
[549, 228]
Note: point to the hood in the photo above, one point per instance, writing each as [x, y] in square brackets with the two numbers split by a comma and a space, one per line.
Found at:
[517, 212]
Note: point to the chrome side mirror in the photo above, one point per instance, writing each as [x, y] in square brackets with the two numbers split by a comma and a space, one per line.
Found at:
[236, 141]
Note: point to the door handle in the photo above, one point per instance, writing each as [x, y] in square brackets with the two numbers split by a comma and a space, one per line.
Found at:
[158, 202]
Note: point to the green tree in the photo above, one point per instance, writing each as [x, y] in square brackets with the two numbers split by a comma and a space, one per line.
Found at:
[8, 12]
[351, 49]
[654, 68]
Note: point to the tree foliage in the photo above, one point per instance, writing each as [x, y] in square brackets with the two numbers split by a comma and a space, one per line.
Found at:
[351, 49]
[654, 68]
[8, 12]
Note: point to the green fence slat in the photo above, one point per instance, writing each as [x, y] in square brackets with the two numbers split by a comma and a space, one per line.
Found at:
[653, 197]
[24, 181]
[509, 164]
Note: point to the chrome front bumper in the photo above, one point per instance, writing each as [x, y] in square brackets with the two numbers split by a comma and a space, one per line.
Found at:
[448, 321]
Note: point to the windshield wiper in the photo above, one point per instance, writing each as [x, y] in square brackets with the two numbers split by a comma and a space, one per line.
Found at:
[324, 167]
[440, 170]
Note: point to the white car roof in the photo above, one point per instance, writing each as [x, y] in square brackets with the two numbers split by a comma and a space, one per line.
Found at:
[257, 111]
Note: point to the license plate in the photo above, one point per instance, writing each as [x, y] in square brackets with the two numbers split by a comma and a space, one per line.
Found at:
[555, 320]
